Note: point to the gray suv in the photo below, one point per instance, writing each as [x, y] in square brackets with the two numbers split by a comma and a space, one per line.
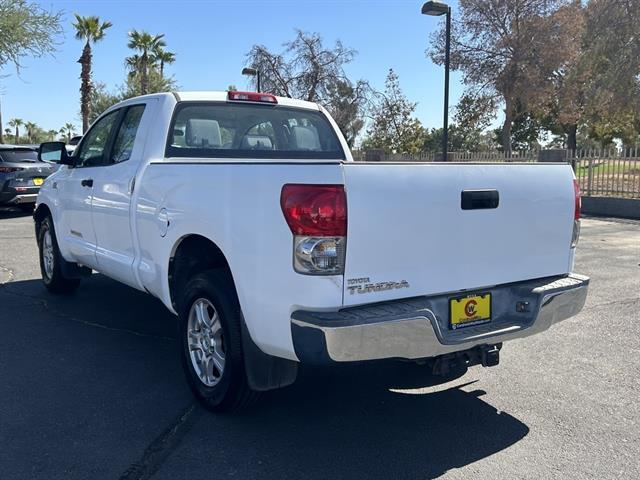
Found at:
[21, 174]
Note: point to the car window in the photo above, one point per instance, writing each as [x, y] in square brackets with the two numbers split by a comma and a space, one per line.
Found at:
[18, 155]
[126, 135]
[94, 144]
[227, 130]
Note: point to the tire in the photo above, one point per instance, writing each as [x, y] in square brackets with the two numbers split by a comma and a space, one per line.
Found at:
[51, 261]
[212, 356]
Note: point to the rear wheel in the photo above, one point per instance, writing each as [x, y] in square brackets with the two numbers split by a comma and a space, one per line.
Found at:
[212, 357]
[51, 261]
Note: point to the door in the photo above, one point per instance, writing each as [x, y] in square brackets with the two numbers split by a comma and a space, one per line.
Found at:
[75, 190]
[113, 188]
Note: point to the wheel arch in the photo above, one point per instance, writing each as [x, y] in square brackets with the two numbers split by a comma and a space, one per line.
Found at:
[41, 212]
[193, 254]
[190, 255]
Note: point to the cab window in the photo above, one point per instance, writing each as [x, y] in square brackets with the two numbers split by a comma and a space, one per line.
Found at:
[93, 148]
[226, 130]
[126, 136]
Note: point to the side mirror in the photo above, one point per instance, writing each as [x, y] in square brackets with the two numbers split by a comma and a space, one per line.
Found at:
[54, 152]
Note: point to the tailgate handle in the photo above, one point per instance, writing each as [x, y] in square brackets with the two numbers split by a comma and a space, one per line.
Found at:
[480, 199]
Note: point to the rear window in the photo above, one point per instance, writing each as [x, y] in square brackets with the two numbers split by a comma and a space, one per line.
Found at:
[228, 130]
[16, 156]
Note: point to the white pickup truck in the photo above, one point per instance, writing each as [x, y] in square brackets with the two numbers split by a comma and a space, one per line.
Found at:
[245, 214]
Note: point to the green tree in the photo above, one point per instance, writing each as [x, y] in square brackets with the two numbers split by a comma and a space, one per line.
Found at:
[16, 123]
[146, 44]
[473, 115]
[68, 130]
[31, 128]
[163, 57]
[393, 127]
[8, 134]
[347, 104]
[506, 49]
[90, 30]
[26, 29]
[51, 135]
[101, 100]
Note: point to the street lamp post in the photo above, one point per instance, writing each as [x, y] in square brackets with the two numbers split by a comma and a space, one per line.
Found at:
[437, 9]
[253, 72]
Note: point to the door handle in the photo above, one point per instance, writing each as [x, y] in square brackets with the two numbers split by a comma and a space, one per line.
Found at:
[479, 199]
[87, 182]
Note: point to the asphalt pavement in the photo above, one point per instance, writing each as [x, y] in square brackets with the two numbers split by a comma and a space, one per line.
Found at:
[91, 387]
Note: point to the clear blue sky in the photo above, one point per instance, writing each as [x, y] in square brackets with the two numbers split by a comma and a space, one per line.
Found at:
[211, 39]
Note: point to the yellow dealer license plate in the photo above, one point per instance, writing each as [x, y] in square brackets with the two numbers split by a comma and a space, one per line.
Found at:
[38, 181]
[469, 311]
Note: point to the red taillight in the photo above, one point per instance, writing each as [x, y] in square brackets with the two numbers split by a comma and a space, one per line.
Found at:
[315, 210]
[252, 97]
[578, 202]
[10, 169]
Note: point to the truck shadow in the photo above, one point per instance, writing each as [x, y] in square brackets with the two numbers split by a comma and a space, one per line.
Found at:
[376, 420]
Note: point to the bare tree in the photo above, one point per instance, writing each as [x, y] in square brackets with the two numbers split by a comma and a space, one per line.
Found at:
[309, 70]
[306, 69]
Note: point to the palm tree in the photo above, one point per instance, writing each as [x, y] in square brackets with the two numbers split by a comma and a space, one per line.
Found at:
[16, 123]
[7, 133]
[52, 134]
[146, 44]
[90, 30]
[68, 130]
[133, 64]
[164, 57]
[31, 128]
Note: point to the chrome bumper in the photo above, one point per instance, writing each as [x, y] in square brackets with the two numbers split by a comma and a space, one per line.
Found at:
[26, 198]
[418, 327]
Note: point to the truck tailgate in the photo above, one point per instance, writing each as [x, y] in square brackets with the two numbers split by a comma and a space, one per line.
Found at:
[408, 234]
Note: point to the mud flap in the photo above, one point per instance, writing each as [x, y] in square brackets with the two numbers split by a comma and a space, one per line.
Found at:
[265, 372]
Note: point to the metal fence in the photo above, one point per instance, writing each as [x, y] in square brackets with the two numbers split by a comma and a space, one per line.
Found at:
[476, 157]
[608, 172]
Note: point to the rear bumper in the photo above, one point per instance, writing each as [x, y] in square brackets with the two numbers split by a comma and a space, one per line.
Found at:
[10, 196]
[418, 328]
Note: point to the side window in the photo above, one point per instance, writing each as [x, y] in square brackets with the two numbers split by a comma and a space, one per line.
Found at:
[94, 144]
[126, 136]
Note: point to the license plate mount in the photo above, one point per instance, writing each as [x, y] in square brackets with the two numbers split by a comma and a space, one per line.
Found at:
[469, 310]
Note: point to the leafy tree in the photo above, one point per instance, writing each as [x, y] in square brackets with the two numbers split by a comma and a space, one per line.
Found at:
[146, 44]
[473, 114]
[612, 40]
[155, 83]
[163, 57]
[16, 123]
[393, 127]
[26, 29]
[347, 103]
[503, 49]
[51, 135]
[90, 30]
[68, 130]
[31, 128]
[101, 100]
[8, 134]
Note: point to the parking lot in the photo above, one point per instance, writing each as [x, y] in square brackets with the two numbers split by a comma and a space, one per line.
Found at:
[91, 387]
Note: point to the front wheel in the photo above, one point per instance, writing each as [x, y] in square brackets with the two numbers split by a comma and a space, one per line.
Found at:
[212, 357]
[51, 261]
